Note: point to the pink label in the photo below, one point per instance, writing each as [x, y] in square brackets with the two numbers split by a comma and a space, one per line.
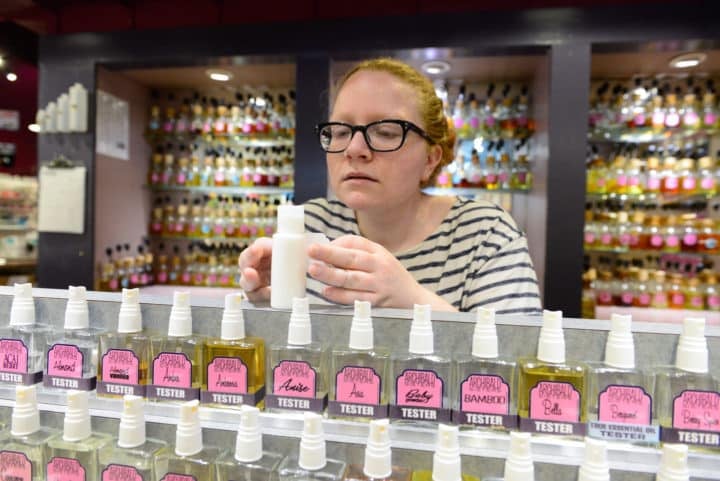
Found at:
[606, 239]
[116, 472]
[644, 299]
[219, 229]
[120, 366]
[113, 284]
[199, 278]
[710, 118]
[186, 278]
[224, 280]
[179, 227]
[671, 182]
[658, 118]
[660, 299]
[273, 179]
[219, 177]
[589, 238]
[621, 180]
[65, 469]
[605, 297]
[227, 374]
[678, 299]
[257, 178]
[713, 301]
[697, 410]
[707, 183]
[503, 177]
[246, 178]
[157, 227]
[65, 360]
[696, 301]
[626, 298]
[269, 231]
[220, 126]
[490, 121]
[171, 369]
[625, 239]
[634, 240]
[211, 279]
[474, 122]
[178, 477]
[294, 379]
[162, 277]
[165, 179]
[600, 182]
[134, 279]
[180, 179]
[653, 183]
[689, 239]
[691, 119]
[625, 404]
[207, 127]
[14, 356]
[419, 388]
[689, 183]
[458, 122]
[359, 385]
[656, 240]
[253, 230]
[245, 229]
[485, 394]
[672, 120]
[15, 466]
[639, 120]
[555, 401]
[672, 240]
[230, 230]
[154, 178]
[491, 179]
[633, 181]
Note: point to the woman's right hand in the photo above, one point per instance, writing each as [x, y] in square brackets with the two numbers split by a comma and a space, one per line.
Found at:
[254, 265]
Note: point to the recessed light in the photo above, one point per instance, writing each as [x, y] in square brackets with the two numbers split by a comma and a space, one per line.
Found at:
[219, 75]
[34, 128]
[2, 61]
[435, 67]
[688, 60]
[11, 76]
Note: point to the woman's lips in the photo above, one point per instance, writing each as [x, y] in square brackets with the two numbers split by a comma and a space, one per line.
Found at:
[359, 176]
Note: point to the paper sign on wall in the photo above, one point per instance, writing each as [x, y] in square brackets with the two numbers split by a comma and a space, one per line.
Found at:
[9, 120]
[61, 200]
[113, 126]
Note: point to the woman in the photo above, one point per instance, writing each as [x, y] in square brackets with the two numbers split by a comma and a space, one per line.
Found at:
[393, 245]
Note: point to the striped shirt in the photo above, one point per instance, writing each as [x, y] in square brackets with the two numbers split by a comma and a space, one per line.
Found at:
[476, 257]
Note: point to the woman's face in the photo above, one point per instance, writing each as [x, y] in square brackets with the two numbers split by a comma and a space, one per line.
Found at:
[361, 178]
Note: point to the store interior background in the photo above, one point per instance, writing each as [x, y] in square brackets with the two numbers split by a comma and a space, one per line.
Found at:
[130, 48]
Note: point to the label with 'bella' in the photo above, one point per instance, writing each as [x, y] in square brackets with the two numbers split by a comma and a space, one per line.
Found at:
[415, 387]
[625, 404]
[117, 472]
[15, 466]
[65, 469]
[555, 401]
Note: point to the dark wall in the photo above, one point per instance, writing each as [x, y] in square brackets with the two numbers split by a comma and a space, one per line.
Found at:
[21, 95]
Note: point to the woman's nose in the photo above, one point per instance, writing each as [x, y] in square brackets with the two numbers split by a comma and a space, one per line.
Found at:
[358, 147]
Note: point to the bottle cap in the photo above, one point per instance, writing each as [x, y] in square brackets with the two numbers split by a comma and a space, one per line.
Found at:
[188, 436]
[485, 340]
[290, 219]
[361, 329]
[232, 326]
[22, 310]
[180, 324]
[77, 315]
[673, 463]
[76, 426]
[620, 347]
[446, 460]
[130, 318]
[692, 350]
[248, 446]
[378, 457]
[421, 332]
[594, 466]
[25, 414]
[519, 464]
[131, 432]
[300, 329]
[551, 345]
[312, 444]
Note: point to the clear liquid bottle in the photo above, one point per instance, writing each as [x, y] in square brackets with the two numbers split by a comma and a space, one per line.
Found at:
[359, 388]
[446, 460]
[234, 363]
[297, 371]
[486, 385]
[125, 354]
[190, 459]
[421, 377]
[378, 458]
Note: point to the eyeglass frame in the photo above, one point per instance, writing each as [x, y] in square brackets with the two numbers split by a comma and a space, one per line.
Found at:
[405, 124]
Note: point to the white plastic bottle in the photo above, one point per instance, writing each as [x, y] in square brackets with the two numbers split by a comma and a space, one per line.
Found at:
[673, 463]
[594, 466]
[289, 257]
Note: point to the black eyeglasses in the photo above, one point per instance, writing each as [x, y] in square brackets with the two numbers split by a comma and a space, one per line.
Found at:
[380, 136]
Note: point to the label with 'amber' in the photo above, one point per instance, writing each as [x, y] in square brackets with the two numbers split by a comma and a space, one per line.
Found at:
[65, 368]
[15, 466]
[120, 373]
[65, 469]
[227, 381]
[117, 472]
[357, 393]
[696, 419]
[294, 387]
[485, 401]
[172, 378]
[14, 363]
[419, 395]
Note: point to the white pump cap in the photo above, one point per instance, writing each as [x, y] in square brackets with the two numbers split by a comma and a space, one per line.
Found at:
[22, 310]
[620, 347]
[519, 464]
[300, 329]
[188, 436]
[551, 345]
[595, 466]
[248, 445]
[76, 426]
[312, 443]
[361, 329]
[131, 432]
[232, 326]
[130, 318]
[180, 324]
[25, 414]
[77, 315]
[421, 332]
[692, 350]
[485, 340]
[378, 457]
[673, 463]
[446, 460]
[290, 219]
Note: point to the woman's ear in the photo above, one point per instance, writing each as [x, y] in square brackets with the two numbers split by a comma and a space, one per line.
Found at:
[434, 157]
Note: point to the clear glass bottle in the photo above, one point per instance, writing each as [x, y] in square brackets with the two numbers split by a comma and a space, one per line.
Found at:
[190, 459]
[603, 289]
[707, 182]
[378, 458]
[694, 296]
[712, 292]
[676, 291]
[659, 298]
[311, 464]
[642, 296]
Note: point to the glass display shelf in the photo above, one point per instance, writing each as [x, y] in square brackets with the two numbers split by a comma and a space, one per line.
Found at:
[647, 136]
[645, 252]
[222, 190]
[236, 139]
[650, 196]
[470, 191]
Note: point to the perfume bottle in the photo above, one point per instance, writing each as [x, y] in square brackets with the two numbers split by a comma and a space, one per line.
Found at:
[673, 463]
[378, 458]
[22, 342]
[421, 376]
[594, 466]
[176, 367]
[312, 462]
[486, 384]
[133, 456]
[190, 459]
[125, 354]
[248, 461]
[687, 401]
[297, 374]
[446, 460]
[361, 372]
[235, 363]
[23, 454]
[550, 390]
[518, 464]
[74, 454]
[72, 356]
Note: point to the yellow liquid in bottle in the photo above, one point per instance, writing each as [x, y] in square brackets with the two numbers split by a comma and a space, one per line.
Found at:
[533, 372]
[250, 350]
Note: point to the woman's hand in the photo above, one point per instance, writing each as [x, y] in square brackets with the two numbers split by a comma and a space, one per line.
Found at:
[254, 265]
[355, 268]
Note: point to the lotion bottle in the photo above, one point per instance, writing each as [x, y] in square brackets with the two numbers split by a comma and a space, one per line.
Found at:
[289, 257]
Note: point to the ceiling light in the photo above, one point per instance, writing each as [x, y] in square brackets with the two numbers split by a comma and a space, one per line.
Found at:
[688, 60]
[219, 75]
[435, 67]
[11, 76]
[34, 128]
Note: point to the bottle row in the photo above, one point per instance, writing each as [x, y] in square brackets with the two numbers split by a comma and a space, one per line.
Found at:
[546, 394]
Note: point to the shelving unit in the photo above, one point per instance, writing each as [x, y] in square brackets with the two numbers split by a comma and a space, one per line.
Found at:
[223, 190]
